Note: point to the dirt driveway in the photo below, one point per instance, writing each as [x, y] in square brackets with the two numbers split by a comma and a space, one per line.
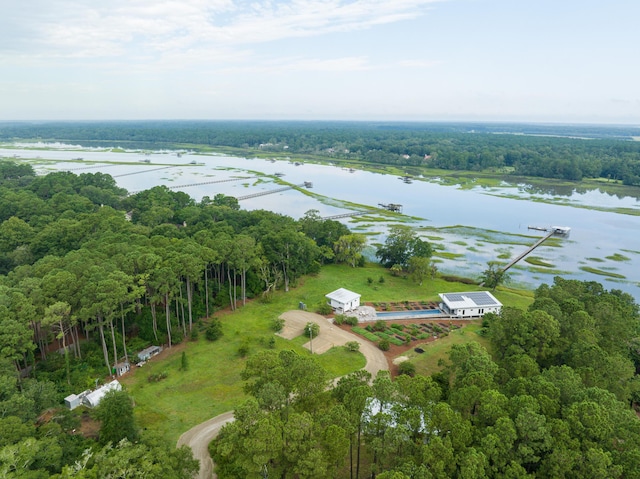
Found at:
[295, 322]
[199, 437]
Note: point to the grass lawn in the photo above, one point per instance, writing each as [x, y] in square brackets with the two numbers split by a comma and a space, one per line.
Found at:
[212, 383]
[427, 362]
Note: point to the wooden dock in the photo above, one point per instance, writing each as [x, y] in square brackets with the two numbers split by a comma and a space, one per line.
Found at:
[347, 215]
[529, 250]
[306, 184]
[200, 184]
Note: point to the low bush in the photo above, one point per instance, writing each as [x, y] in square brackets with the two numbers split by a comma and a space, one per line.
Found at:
[407, 368]
[277, 324]
[352, 346]
[339, 319]
[214, 330]
[399, 327]
[384, 345]
[157, 377]
[324, 309]
[380, 325]
[243, 350]
[351, 320]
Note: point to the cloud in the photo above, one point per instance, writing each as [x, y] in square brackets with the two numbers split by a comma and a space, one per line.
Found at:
[298, 64]
[418, 63]
[131, 28]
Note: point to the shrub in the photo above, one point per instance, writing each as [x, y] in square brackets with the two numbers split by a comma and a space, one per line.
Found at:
[324, 309]
[313, 327]
[370, 280]
[352, 346]
[243, 350]
[277, 324]
[214, 330]
[381, 279]
[156, 377]
[339, 319]
[380, 325]
[351, 320]
[384, 345]
[399, 327]
[184, 363]
[407, 367]
[195, 334]
[272, 342]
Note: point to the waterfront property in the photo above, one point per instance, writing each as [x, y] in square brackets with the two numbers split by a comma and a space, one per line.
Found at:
[469, 305]
[343, 300]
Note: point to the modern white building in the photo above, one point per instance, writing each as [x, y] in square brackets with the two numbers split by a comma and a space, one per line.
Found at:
[469, 305]
[343, 300]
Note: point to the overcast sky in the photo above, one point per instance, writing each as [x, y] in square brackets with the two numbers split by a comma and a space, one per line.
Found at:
[494, 60]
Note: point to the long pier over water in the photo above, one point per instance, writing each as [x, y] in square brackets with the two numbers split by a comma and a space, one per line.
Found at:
[529, 250]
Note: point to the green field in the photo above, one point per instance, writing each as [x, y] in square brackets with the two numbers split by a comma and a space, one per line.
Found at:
[212, 383]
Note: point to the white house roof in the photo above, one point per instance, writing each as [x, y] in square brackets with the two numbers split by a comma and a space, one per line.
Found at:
[343, 295]
[94, 398]
[476, 299]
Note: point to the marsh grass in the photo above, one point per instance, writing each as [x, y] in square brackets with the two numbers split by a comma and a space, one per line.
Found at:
[597, 260]
[618, 257]
[602, 272]
[537, 261]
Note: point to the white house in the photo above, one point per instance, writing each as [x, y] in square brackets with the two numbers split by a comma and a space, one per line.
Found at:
[343, 300]
[469, 305]
[93, 398]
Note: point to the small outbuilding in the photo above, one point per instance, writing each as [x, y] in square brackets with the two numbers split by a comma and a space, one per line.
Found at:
[469, 305]
[343, 300]
[72, 401]
[149, 352]
[92, 399]
[121, 368]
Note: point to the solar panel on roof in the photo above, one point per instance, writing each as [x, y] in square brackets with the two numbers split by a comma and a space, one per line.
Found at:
[481, 298]
[454, 297]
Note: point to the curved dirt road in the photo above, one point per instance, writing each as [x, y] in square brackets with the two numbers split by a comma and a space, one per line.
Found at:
[199, 437]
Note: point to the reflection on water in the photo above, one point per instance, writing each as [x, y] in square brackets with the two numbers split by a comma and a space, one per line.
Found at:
[473, 226]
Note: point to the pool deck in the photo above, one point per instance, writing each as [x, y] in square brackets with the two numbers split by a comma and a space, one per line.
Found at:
[415, 315]
[367, 314]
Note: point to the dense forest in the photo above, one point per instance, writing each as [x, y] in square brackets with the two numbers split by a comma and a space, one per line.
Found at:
[98, 275]
[562, 152]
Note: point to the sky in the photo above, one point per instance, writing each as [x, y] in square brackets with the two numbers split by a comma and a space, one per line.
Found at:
[559, 61]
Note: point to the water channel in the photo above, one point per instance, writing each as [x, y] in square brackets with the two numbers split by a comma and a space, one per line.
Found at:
[468, 227]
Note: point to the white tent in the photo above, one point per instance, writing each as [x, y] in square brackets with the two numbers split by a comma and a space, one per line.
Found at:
[93, 398]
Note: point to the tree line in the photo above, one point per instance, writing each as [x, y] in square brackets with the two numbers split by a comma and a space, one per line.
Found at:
[563, 152]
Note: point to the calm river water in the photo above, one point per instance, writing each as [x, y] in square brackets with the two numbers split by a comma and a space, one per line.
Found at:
[467, 227]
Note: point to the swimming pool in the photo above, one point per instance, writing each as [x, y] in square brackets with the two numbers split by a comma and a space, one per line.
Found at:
[422, 313]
